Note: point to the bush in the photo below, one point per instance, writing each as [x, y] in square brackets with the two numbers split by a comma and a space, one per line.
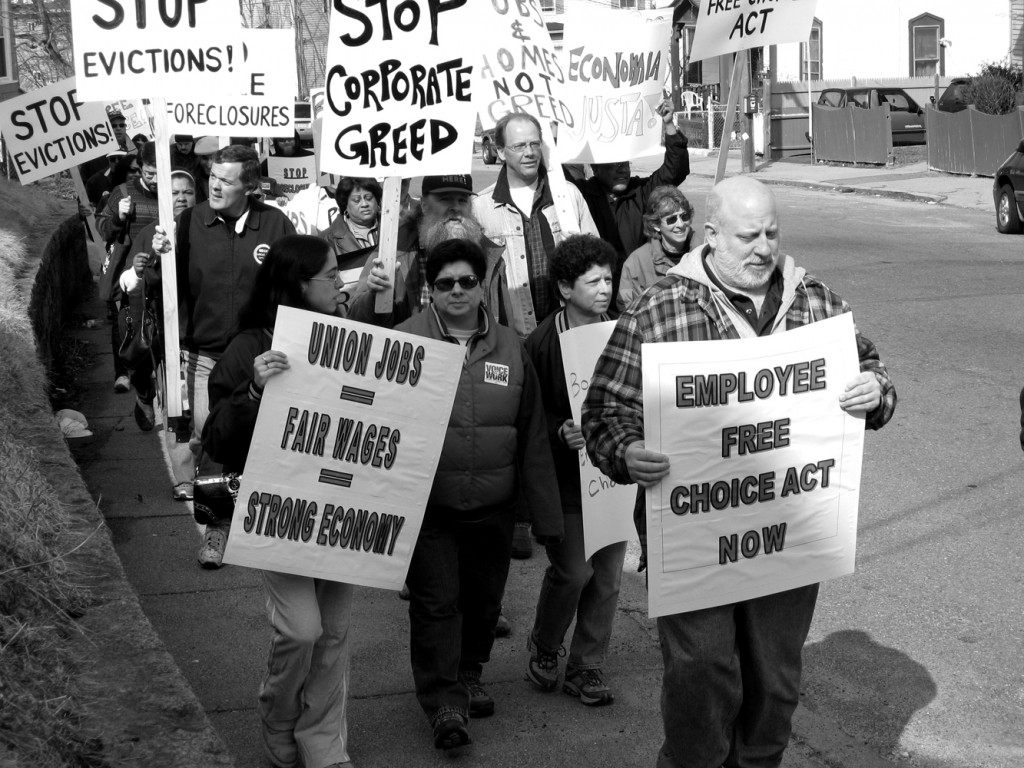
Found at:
[992, 94]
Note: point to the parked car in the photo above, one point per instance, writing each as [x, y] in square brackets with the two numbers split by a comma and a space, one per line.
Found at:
[488, 151]
[1008, 192]
[952, 99]
[906, 114]
[303, 123]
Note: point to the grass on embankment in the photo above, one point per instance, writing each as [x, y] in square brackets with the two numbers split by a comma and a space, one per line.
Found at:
[39, 724]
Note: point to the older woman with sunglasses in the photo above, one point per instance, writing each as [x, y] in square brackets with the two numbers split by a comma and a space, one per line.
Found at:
[668, 226]
[495, 455]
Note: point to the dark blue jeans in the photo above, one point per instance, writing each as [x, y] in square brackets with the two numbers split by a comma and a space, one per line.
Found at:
[732, 680]
[456, 580]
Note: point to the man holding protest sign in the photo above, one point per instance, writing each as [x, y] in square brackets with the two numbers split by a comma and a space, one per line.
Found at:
[219, 246]
[617, 200]
[732, 672]
[520, 213]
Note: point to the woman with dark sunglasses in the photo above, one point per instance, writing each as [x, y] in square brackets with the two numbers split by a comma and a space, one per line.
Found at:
[495, 455]
[668, 224]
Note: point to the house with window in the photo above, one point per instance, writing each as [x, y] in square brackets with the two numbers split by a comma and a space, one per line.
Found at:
[903, 38]
[8, 61]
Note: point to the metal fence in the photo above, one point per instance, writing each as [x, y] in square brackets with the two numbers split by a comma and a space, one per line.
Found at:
[706, 129]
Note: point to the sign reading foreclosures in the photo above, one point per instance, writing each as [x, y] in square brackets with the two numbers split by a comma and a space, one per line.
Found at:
[266, 105]
[344, 451]
[607, 506]
[147, 48]
[765, 470]
[399, 87]
[51, 129]
[616, 67]
[521, 71]
[727, 26]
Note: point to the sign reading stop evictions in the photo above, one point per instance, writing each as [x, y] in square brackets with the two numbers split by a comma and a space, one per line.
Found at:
[727, 26]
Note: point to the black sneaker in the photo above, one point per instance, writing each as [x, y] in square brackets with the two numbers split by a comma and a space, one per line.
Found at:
[450, 732]
[480, 702]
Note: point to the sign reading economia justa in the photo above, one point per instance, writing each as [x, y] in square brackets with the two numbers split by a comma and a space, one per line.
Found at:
[398, 98]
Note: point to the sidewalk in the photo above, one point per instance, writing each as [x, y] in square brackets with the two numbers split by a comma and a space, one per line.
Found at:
[910, 182]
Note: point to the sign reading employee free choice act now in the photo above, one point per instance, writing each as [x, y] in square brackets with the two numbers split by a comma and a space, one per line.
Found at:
[51, 129]
[764, 482]
[344, 452]
[149, 48]
[727, 26]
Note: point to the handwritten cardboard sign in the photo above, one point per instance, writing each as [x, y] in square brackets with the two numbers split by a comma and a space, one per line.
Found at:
[616, 64]
[292, 174]
[607, 506]
[266, 106]
[399, 88]
[148, 48]
[520, 69]
[765, 466]
[727, 26]
[52, 129]
[344, 451]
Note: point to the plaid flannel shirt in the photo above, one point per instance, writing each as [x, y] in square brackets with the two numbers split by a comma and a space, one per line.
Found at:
[678, 308]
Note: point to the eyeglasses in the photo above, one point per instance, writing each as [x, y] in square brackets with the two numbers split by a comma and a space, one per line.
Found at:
[445, 284]
[521, 146]
[336, 278]
[671, 219]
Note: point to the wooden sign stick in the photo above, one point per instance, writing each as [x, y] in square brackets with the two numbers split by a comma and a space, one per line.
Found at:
[387, 246]
[168, 271]
[738, 65]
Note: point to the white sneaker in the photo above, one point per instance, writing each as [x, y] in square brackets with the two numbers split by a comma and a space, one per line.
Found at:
[122, 384]
[211, 554]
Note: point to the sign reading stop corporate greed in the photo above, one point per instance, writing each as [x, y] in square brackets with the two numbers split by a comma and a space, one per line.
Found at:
[344, 451]
[765, 466]
[398, 89]
[607, 506]
[727, 26]
[51, 129]
[616, 67]
[148, 48]
[521, 71]
[265, 106]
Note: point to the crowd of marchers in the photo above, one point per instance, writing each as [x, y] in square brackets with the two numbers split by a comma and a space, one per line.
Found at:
[499, 273]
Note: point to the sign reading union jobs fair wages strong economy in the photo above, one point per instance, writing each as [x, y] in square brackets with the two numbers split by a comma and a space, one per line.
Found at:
[607, 506]
[727, 26]
[616, 66]
[264, 106]
[344, 452]
[156, 48]
[51, 129]
[764, 482]
[399, 87]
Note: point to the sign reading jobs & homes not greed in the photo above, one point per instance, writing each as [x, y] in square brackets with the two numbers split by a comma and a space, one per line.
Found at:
[764, 483]
[344, 452]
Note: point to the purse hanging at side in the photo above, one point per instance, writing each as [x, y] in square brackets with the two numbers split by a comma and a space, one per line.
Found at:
[138, 325]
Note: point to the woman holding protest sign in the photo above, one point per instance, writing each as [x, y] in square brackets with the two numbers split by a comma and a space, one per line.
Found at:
[302, 699]
[495, 456]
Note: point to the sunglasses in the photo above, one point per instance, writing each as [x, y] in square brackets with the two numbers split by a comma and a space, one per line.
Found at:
[671, 219]
[445, 284]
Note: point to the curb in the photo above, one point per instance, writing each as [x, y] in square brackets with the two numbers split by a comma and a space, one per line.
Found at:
[895, 194]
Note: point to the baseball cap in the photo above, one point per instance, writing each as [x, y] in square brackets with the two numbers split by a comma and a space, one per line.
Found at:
[269, 187]
[457, 183]
[206, 145]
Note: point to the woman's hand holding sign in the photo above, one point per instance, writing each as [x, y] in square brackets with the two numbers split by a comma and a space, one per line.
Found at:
[645, 467]
[862, 395]
[268, 364]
